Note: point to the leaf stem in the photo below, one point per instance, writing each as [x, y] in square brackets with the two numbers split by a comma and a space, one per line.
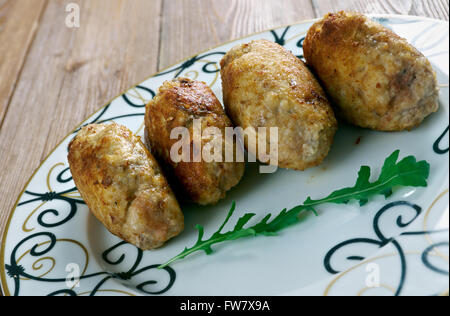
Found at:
[407, 172]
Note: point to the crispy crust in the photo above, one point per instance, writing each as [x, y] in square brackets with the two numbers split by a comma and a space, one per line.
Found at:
[375, 78]
[264, 85]
[123, 186]
[177, 104]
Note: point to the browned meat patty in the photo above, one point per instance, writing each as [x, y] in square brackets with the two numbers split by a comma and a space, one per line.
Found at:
[123, 186]
[374, 78]
[177, 104]
[264, 85]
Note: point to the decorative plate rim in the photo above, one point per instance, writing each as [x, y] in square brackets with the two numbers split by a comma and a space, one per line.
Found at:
[4, 289]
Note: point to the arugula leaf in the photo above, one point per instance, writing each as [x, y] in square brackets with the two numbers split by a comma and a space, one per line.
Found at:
[407, 172]
[217, 237]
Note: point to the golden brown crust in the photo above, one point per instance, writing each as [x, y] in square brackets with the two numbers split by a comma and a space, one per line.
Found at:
[374, 78]
[123, 186]
[264, 85]
[177, 104]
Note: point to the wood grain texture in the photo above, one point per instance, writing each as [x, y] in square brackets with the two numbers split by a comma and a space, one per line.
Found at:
[70, 73]
[192, 26]
[437, 9]
[53, 77]
[18, 24]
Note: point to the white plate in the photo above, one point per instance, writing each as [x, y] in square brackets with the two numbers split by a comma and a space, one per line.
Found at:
[403, 240]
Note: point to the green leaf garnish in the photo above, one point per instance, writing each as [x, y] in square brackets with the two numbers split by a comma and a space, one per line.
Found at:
[407, 173]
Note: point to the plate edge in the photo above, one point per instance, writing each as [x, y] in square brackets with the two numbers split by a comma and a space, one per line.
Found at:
[3, 284]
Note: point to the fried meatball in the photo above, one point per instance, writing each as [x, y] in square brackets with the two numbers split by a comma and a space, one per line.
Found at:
[123, 186]
[375, 78]
[264, 85]
[180, 103]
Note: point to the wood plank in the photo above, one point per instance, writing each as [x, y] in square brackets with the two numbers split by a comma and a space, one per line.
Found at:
[437, 9]
[18, 23]
[52, 77]
[70, 73]
[191, 26]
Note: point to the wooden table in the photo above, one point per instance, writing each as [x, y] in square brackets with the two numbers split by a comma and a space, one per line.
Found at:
[52, 76]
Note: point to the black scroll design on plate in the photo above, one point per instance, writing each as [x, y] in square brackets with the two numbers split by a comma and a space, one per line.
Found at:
[426, 257]
[64, 195]
[131, 103]
[436, 146]
[190, 62]
[300, 46]
[100, 117]
[95, 119]
[280, 40]
[402, 221]
[134, 271]
[380, 242]
[40, 249]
